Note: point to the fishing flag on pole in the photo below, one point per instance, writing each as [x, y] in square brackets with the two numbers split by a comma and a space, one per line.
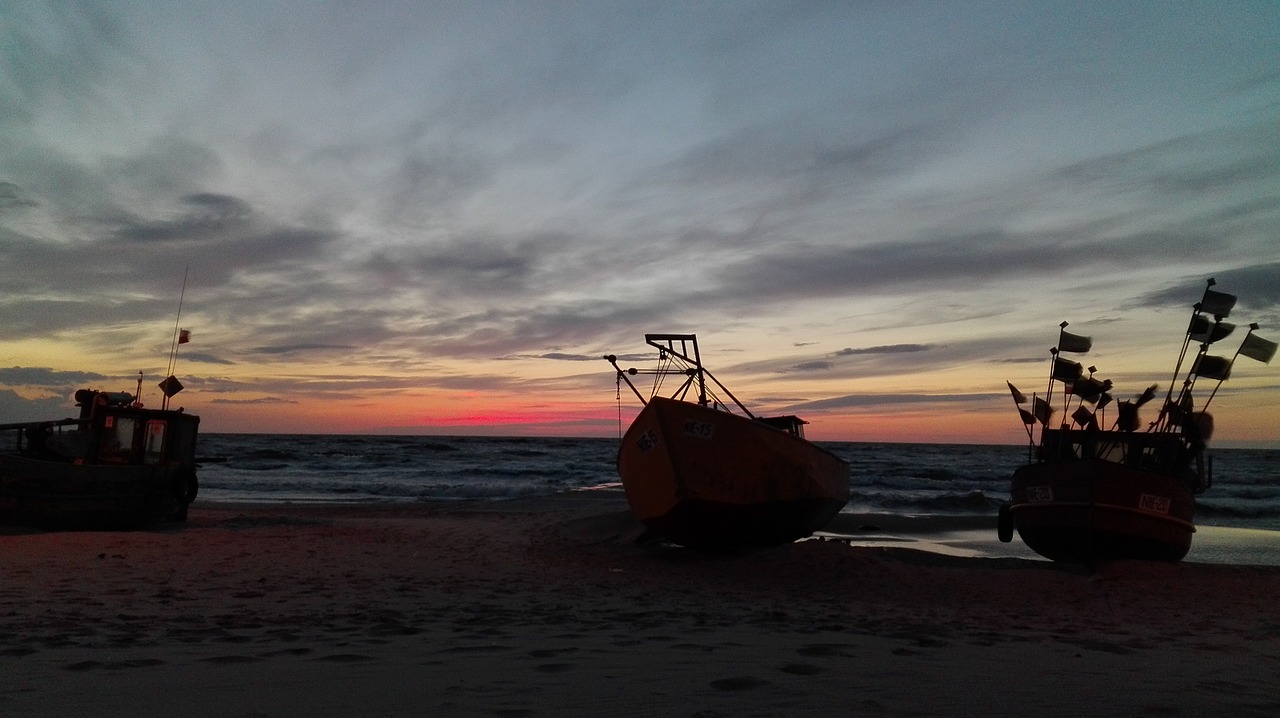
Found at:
[1128, 419]
[1255, 347]
[1147, 395]
[1089, 389]
[184, 336]
[1082, 416]
[1066, 370]
[1018, 397]
[1212, 367]
[1041, 410]
[1068, 342]
[1218, 304]
[1206, 332]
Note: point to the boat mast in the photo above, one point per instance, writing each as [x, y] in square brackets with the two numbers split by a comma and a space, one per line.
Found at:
[177, 333]
[699, 372]
[656, 340]
[686, 351]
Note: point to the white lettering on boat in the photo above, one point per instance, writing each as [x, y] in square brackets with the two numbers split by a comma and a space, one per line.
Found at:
[1039, 494]
[647, 441]
[1154, 504]
[698, 429]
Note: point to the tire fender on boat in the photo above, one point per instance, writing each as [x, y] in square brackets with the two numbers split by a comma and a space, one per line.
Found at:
[185, 485]
[1004, 524]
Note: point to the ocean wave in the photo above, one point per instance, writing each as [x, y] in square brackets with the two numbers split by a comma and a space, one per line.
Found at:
[893, 478]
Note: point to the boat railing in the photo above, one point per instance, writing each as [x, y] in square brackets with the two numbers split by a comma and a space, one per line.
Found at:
[31, 436]
[36, 424]
[1162, 452]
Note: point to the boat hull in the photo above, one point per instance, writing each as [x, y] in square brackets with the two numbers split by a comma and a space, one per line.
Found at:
[64, 495]
[709, 479]
[1090, 510]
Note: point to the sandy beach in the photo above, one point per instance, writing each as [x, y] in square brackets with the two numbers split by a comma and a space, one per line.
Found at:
[550, 607]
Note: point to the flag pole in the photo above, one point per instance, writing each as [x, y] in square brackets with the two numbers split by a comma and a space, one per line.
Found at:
[1022, 413]
[1186, 340]
[1161, 422]
[1053, 362]
[173, 347]
[1235, 356]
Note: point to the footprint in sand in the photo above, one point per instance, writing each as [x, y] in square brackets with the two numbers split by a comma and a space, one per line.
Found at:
[345, 658]
[114, 665]
[801, 669]
[551, 652]
[230, 660]
[738, 683]
[286, 652]
[823, 650]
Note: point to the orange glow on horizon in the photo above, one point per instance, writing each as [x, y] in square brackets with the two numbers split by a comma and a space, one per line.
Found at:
[400, 415]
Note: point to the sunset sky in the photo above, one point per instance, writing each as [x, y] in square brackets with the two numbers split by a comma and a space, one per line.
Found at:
[436, 217]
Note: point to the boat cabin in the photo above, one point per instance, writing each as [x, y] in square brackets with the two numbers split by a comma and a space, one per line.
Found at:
[112, 429]
[793, 425]
[1164, 452]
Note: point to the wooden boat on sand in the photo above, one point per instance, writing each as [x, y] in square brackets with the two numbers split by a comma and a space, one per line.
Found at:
[1092, 495]
[117, 466]
[698, 475]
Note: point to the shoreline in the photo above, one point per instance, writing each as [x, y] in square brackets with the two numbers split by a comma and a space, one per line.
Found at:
[549, 607]
[958, 535]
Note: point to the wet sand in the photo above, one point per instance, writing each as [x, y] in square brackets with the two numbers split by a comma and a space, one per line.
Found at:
[550, 607]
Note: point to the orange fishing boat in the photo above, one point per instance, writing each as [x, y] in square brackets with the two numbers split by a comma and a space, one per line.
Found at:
[1094, 495]
[700, 475]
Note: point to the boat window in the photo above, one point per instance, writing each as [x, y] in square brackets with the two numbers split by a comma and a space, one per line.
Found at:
[117, 439]
[155, 442]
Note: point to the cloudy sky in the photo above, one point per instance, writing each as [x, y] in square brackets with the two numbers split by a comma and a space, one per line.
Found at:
[436, 217]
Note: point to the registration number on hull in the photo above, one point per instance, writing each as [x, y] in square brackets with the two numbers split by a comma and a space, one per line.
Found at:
[646, 441]
[1039, 494]
[1154, 504]
[699, 429]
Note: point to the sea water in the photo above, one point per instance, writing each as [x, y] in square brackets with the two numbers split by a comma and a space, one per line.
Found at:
[907, 479]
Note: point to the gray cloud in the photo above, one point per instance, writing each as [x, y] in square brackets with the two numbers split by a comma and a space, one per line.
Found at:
[70, 65]
[545, 182]
[1257, 288]
[48, 378]
[298, 348]
[264, 401]
[886, 349]
[12, 197]
[868, 401]
[207, 216]
[205, 358]
[16, 409]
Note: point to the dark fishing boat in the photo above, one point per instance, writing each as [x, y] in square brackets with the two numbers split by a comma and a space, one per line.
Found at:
[1091, 494]
[117, 466]
[699, 475]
